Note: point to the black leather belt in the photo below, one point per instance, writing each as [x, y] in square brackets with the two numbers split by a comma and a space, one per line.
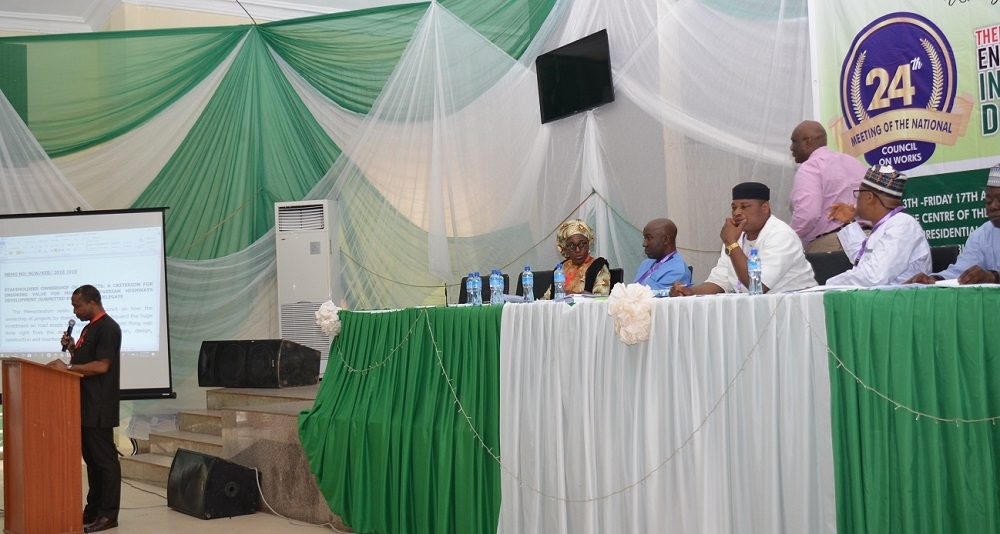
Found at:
[835, 230]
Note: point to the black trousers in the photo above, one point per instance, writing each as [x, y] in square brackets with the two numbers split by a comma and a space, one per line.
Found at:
[104, 472]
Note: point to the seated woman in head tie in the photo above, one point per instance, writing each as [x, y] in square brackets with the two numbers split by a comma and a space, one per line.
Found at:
[584, 273]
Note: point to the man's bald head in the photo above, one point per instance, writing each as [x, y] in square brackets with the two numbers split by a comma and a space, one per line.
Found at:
[806, 138]
[659, 238]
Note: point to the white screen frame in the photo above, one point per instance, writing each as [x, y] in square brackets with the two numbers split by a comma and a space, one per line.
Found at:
[44, 257]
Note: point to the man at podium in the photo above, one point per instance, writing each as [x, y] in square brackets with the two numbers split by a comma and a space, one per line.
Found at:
[96, 355]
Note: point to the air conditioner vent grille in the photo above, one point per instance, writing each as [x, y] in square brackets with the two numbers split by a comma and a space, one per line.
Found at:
[301, 217]
[298, 323]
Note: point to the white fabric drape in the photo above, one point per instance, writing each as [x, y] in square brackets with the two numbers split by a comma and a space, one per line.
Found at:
[719, 423]
[29, 181]
[452, 172]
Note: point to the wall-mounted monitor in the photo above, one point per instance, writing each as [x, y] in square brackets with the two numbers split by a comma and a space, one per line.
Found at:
[575, 77]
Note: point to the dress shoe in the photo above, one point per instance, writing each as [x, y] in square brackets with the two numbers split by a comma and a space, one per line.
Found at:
[88, 519]
[102, 523]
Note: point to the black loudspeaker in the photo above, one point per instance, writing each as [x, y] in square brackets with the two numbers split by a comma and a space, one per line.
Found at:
[209, 487]
[268, 363]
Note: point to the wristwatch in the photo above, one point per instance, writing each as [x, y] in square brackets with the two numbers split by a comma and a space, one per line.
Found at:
[731, 247]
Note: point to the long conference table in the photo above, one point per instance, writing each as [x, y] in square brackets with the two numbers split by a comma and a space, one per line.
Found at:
[855, 411]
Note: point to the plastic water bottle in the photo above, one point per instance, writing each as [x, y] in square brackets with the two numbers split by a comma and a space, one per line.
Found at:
[477, 289]
[558, 282]
[753, 269]
[470, 290]
[528, 283]
[496, 288]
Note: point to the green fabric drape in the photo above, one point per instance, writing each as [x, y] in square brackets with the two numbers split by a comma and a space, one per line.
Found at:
[387, 443]
[897, 471]
[511, 25]
[86, 89]
[255, 144]
[346, 56]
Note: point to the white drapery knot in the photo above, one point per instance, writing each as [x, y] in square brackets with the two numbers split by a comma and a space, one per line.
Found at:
[631, 306]
[328, 319]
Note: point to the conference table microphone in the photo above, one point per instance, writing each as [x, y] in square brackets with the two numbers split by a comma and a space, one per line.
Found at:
[69, 332]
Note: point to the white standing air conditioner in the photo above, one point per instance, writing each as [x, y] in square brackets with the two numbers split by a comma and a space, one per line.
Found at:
[308, 261]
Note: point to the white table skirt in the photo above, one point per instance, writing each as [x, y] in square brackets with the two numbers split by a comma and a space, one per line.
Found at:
[720, 423]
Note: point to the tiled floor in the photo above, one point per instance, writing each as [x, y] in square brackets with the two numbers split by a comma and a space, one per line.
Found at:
[144, 511]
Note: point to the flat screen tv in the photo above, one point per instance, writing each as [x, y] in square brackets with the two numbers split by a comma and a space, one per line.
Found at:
[575, 77]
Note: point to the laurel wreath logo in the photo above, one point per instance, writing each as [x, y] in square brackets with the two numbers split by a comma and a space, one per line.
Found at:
[860, 113]
[937, 78]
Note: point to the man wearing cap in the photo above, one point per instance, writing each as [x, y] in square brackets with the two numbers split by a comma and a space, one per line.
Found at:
[824, 178]
[663, 265]
[896, 250]
[979, 262]
[783, 263]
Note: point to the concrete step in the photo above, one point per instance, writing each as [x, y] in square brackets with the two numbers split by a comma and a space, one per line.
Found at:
[218, 399]
[152, 469]
[200, 421]
[167, 443]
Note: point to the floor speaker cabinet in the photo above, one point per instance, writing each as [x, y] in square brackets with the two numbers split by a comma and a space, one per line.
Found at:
[209, 487]
[267, 363]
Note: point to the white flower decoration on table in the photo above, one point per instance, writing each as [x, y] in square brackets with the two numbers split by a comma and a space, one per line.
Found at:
[631, 306]
[328, 319]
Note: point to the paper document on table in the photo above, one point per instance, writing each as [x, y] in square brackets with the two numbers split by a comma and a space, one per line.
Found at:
[829, 288]
[954, 283]
[859, 288]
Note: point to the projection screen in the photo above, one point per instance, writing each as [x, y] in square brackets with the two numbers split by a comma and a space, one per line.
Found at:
[44, 257]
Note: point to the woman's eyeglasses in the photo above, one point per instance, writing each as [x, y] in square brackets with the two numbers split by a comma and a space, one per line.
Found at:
[578, 246]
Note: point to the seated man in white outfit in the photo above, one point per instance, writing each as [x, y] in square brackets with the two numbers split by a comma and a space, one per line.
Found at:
[783, 262]
[896, 250]
[979, 262]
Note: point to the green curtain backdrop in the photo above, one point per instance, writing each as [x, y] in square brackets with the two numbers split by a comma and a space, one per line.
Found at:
[387, 442]
[85, 89]
[322, 50]
[255, 144]
[898, 470]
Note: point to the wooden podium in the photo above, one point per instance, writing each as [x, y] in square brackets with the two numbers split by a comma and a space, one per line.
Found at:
[42, 469]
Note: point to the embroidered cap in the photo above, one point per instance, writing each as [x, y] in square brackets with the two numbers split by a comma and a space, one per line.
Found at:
[751, 191]
[994, 179]
[885, 179]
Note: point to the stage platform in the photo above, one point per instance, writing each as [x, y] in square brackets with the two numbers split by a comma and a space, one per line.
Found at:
[254, 427]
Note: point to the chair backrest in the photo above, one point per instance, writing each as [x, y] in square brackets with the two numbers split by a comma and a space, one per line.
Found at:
[543, 281]
[942, 257]
[828, 264]
[463, 295]
[617, 275]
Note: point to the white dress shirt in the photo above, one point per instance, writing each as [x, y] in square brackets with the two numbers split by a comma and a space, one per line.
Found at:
[896, 251]
[782, 260]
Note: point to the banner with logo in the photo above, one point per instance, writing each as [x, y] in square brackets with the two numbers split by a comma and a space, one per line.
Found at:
[915, 85]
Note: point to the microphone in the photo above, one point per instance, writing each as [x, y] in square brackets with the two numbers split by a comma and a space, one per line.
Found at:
[69, 332]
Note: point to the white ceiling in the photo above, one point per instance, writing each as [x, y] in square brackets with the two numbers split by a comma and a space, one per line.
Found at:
[68, 16]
